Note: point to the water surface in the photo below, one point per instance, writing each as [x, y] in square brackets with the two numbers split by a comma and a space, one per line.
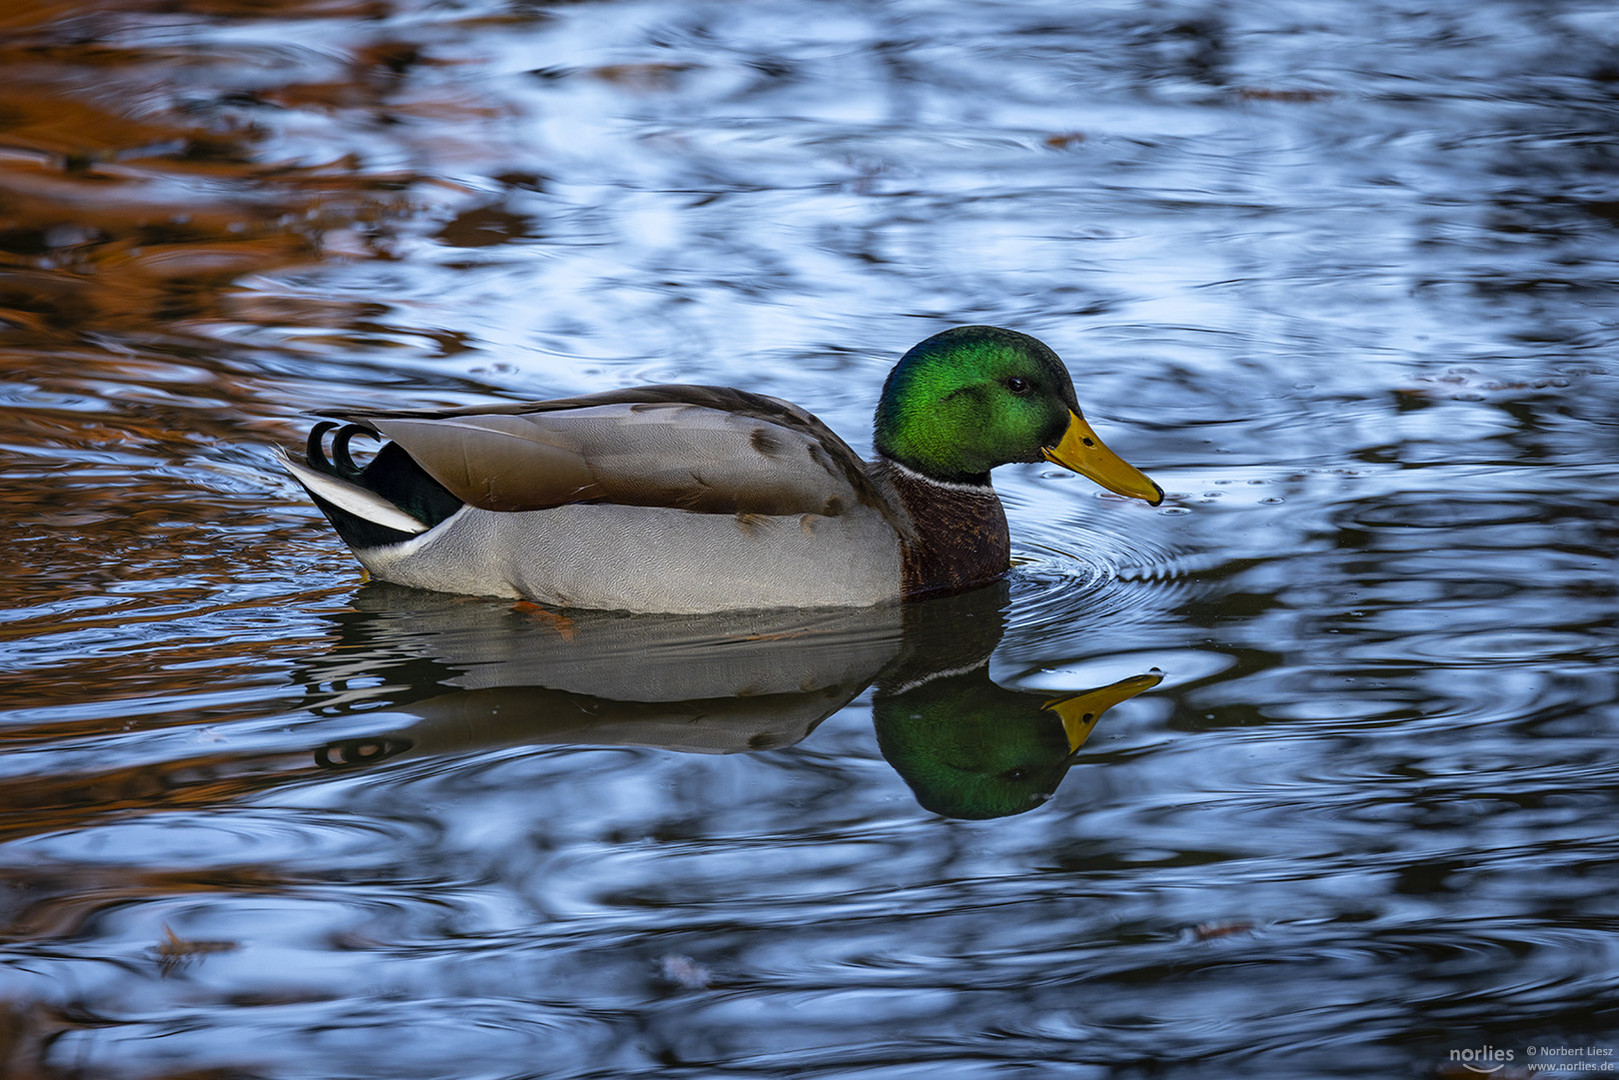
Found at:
[1339, 276]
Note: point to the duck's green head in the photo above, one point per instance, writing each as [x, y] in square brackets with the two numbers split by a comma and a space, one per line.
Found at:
[969, 399]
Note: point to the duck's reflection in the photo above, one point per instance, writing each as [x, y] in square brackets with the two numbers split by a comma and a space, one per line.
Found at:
[459, 675]
[970, 749]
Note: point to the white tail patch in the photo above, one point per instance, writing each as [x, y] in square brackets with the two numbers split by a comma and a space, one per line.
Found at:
[352, 498]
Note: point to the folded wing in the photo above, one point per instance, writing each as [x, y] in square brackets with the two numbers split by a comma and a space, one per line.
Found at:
[703, 449]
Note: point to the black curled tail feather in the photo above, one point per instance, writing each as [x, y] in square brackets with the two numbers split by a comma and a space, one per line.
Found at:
[340, 463]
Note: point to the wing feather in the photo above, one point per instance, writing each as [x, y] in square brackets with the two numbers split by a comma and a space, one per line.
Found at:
[706, 449]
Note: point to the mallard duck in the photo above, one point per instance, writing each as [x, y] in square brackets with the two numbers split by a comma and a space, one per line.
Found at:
[702, 498]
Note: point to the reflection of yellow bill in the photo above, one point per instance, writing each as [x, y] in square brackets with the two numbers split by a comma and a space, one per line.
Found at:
[1083, 452]
[1080, 712]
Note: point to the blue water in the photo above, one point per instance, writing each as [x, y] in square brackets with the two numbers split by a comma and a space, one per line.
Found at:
[1339, 276]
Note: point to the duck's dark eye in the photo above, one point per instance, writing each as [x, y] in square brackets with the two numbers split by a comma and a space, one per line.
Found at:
[1018, 385]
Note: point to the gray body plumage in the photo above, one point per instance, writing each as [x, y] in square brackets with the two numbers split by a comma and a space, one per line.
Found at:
[606, 556]
[672, 499]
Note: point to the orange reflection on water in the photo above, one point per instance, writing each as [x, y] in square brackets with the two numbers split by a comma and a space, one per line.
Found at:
[148, 163]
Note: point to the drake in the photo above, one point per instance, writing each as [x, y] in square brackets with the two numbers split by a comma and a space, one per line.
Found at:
[689, 499]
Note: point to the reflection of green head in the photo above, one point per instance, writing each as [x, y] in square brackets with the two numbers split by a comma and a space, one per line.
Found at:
[969, 749]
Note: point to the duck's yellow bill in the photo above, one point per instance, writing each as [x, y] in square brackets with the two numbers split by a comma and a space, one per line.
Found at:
[1080, 712]
[1083, 452]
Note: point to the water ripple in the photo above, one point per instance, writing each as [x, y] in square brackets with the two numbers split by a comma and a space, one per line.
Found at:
[228, 837]
[1338, 275]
